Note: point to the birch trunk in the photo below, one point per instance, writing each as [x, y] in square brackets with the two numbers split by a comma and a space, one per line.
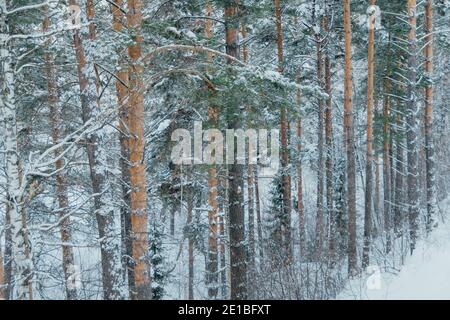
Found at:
[15, 184]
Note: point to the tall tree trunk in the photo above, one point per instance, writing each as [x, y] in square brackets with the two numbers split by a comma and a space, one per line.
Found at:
[22, 262]
[300, 205]
[258, 212]
[399, 201]
[329, 150]
[90, 107]
[139, 214]
[286, 178]
[412, 127]
[8, 258]
[61, 185]
[320, 171]
[2, 278]
[250, 191]
[369, 152]
[238, 260]
[387, 162]
[429, 145]
[377, 200]
[349, 143]
[212, 275]
[119, 21]
[190, 209]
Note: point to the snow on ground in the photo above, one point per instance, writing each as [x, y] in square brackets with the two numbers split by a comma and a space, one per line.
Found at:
[425, 275]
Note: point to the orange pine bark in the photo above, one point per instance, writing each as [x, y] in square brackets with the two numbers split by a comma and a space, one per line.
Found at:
[139, 214]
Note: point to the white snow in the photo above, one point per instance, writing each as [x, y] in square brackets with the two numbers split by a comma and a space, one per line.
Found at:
[424, 276]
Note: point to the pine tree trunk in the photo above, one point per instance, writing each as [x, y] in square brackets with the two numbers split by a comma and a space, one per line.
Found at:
[329, 151]
[119, 21]
[238, 259]
[258, 211]
[349, 143]
[429, 145]
[190, 209]
[387, 163]
[399, 201]
[61, 185]
[212, 275]
[320, 167]
[412, 127]
[90, 107]
[286, 223]
[369, 151]
[139, 214]
[300, 205]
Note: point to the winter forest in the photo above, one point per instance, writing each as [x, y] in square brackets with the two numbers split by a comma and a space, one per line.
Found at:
[223, 149]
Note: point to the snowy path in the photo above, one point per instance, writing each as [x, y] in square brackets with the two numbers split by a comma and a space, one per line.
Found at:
[425, 275]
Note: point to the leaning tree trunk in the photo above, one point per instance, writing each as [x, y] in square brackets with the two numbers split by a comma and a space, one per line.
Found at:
[429, 146]
[61, 185]
[369, 151]
[349, 143]
[111, 273]
[139, 214]
[412, 128]
[238, 260]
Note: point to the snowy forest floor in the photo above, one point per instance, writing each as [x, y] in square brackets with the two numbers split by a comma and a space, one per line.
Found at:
[425, 275]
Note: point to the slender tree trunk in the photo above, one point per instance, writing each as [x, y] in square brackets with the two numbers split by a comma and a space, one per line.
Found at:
[412, 127]
[190, 209]
[286, 179]
[250, 191]
[22, 262]
[88, 82]
[139, 214]
[212, 275]
[387, 163]
[369, 152]
[399, 201]
[2, 278]
[119, 21]
[8, 269]
[238, 260]
[329, 151]
[376, 206]
[258, 212]
[429, 145]
[61, 185]
[300, 205]
[320, 166]
[349, 143]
